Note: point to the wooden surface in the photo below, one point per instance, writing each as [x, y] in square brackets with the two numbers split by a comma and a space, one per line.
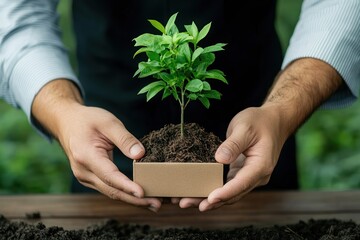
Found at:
[257, 208]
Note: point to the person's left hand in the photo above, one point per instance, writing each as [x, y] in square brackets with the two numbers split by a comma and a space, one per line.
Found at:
[254, 141]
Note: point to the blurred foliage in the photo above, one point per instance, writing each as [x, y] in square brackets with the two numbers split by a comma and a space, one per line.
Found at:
[28, 162]
[328, 143]
[328, 149]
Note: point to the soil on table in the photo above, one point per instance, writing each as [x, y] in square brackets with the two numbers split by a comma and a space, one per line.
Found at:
[166, 144]
[329, 229]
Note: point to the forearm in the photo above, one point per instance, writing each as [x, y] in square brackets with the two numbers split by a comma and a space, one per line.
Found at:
[301, 88]
[53, 102]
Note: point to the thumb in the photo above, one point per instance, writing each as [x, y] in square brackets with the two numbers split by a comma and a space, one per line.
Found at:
[125, 141]
[229, 150]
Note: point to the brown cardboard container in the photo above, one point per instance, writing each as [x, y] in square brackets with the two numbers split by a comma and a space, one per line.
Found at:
[172, 179]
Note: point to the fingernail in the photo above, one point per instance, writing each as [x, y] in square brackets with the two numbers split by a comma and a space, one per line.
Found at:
[135, 194]
[214, 201]
[136, 149]
[224, 154]
[153, 208]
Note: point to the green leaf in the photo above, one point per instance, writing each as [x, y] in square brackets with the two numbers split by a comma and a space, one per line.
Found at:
[192, 30]
[180, 65]
[153, 56]
[192, 96]
[150, 86]
[141, 50]
[170, 24]
[200, 70]
[206, 86]
[153, 91]
[146, 40]
[203, 32]
[157, 25]
[149, 68]
[205, 101]
[197, 53]
[183, 38]
[166, 93]
[216, 74]
[138, 71]
[180, 38]
[166, 40]
[184, 50]
[214, 48]
[165, 76]
[175, 94]
[206, 59]
[213, 94]
[194, 85]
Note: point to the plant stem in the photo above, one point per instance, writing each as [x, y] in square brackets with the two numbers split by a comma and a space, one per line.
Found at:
[182, 107]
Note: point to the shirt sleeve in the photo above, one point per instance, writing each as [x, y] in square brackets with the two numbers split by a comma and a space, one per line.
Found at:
[31, 52]
[329, 30]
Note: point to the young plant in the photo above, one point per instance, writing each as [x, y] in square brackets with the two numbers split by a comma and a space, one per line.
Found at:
[179, 64]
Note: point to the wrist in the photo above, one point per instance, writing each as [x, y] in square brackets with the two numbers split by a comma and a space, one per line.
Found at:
[300, 89]
[53, 102]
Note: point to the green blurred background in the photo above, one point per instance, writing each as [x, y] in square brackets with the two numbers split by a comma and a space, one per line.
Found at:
[328, 143]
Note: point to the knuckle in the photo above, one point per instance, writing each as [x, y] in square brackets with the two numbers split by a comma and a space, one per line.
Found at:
[126, 140]
[233, 145]
[80, 161]
[80, 176]
[267, 172]
[107, 179]
[77, 174]
[113, 194]
[264, 181]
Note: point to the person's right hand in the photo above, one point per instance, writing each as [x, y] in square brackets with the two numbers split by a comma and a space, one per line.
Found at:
[88, 136]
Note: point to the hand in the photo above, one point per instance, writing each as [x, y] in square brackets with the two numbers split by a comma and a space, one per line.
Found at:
[88, 136]
[253, 145]
[260, 133]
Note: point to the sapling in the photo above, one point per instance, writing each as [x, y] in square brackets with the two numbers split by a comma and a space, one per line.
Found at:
[179, 64]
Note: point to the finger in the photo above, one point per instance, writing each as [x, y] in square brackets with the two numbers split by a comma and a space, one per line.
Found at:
[206, 206]
[235, 167]
[110, 175]
[90, 180]
[152, 204]
[190, 202]
[97, 162]
[175, 200]
[241, 184]
[124, 140]
[248, 177]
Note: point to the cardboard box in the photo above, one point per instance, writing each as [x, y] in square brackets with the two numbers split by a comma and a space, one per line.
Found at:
[173, 179]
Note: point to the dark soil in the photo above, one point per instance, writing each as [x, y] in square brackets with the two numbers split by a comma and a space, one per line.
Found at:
[166, 144]
[330, 229]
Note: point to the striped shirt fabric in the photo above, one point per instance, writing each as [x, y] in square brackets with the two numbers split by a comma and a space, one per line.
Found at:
[329, 30]
[31, 50]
